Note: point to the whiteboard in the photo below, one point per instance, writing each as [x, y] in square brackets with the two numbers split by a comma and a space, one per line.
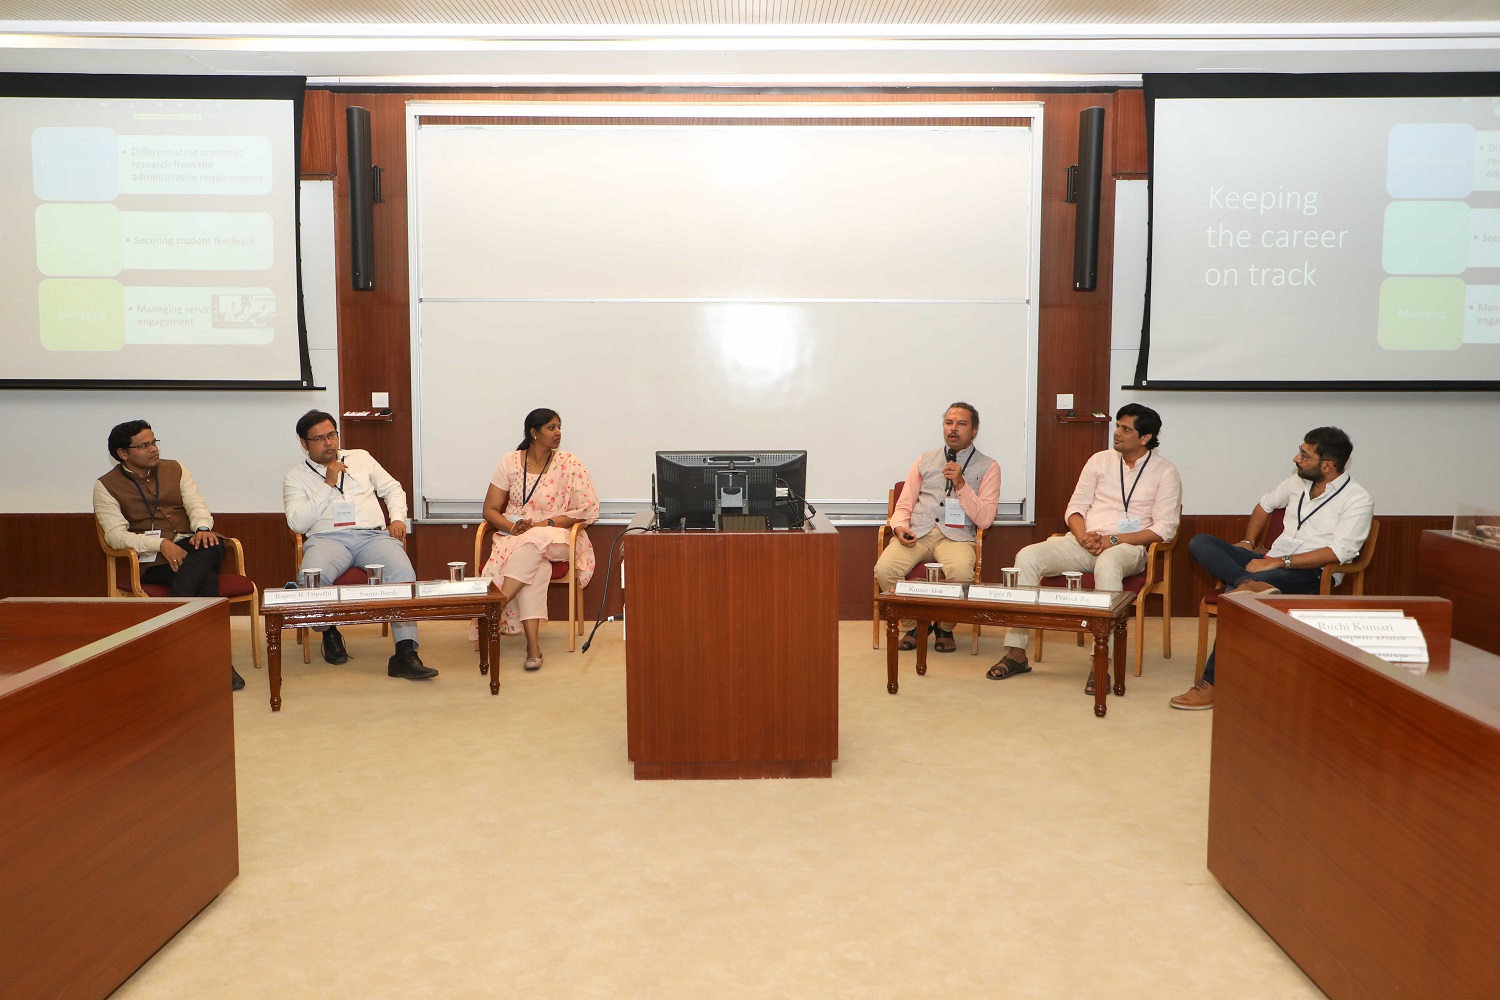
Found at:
[825, 287]
[237, 444]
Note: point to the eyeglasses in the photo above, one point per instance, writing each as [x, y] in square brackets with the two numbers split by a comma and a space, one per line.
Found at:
[323, 438]
[1303, 456]
[145, 444]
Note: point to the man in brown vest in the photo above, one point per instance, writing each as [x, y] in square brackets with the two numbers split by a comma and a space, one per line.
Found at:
[153, 506]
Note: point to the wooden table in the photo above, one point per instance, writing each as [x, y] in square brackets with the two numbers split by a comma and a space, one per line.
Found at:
[485, 607]
[1464, 571]
[1353, 804]
[1098, 622]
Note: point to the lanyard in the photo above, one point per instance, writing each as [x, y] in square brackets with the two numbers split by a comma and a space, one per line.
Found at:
[963, 470]
[324, 476]
[154, 506]
[526, 497]
[1303, 520]
[1138, 474]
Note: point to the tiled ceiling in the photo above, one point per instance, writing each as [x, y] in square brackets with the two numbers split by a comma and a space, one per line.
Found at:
[759, 12]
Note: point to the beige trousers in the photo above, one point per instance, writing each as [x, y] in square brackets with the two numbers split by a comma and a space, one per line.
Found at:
[897, 560]
[1056, 555]
[529, 565]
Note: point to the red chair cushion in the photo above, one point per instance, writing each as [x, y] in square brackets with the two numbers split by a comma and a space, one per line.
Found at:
[234, 585]
[1212, 598]
[352, 577]
[559, 571]
[1130, 583]
[157, 589]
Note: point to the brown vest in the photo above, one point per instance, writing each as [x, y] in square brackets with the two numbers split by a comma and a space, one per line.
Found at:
[170, 515]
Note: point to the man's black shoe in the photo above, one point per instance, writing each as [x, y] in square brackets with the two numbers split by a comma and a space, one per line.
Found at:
[238, 682]
[407, 664]
[333, 647]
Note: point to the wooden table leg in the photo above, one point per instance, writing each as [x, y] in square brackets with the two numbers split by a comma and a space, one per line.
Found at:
[891, 659]
[273, 657]
[491, 644]
[1120, 657]
[921, 648]
[1101, 670]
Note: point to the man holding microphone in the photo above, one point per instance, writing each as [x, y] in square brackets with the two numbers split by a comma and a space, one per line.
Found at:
[949, 493]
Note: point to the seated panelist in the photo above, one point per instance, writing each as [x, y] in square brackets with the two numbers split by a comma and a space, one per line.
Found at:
[1126, 498]
[1328, 518]
[536, 495]
[950, 492]
[152, 505]
[331, 497]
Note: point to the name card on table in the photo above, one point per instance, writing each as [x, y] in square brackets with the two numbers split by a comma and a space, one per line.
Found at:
[454, 588]
[1075, 598]
[1009, 595]
[376, 592]
[927, 588]
[315, 595]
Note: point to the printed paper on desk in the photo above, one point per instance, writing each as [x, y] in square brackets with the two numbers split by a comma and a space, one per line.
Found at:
[1009, 595]
[454, 588]
[1076, 598]
[926, 588]
[316, 595]
[376, 592]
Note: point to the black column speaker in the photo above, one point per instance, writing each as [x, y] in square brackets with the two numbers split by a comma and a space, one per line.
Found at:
[361, 199]
[1086, 220]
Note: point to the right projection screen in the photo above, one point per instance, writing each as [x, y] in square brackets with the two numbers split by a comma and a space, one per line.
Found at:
[1305, 235]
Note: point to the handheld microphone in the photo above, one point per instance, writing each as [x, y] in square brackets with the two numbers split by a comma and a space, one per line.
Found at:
[952, 457]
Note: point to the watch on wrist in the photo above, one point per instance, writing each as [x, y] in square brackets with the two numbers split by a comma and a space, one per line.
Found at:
[1114, 539]
[1286, 561]
[550, 524]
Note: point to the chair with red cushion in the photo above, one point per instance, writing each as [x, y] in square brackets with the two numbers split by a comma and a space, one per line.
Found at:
[234, 585]
[1155, 579]
[564, 573]
[1353, 574]
[917, 571]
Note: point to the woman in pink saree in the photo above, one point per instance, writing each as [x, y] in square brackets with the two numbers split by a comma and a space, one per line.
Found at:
[536, 495]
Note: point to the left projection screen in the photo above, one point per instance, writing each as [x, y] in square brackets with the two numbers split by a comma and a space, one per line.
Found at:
[148, 233]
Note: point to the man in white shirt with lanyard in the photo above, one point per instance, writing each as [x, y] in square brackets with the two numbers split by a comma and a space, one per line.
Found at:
[1126, 498]
[330, 496]
[1327, 521]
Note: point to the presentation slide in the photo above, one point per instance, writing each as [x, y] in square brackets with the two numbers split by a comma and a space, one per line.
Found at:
[1325, 240]
[148, 240]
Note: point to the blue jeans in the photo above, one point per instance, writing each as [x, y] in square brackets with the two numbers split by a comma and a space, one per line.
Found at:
[333, 552]
[1227, 563]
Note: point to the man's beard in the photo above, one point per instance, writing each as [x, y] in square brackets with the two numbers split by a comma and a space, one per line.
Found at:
[1311, 477]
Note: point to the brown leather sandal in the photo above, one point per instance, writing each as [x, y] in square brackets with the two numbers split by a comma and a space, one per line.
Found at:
[1007, 668]
[908, 641]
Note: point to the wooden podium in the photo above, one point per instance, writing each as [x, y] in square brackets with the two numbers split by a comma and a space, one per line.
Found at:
[117, 785]
[732, 652]
[1353, 804]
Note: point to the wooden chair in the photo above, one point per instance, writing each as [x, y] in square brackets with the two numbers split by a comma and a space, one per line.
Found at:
[351, 577]
[1155, 579]
[234, 585]
[1353, 573]
[563, 573]
[917, 572]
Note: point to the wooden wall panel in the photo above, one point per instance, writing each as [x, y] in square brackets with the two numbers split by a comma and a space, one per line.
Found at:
[1129, 130]
[319, 135]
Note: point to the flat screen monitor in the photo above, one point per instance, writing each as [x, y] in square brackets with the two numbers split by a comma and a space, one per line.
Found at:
[715, 489]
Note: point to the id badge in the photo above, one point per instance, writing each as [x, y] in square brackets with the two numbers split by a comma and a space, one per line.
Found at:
[1128, 523]
[343, 513]
[953, 513]
[148, 557]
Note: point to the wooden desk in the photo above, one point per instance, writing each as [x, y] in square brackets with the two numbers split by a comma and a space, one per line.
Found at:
[732, 653]
[485, 607]
[117, 785]
[1467, 573]
[1101, 623]
[1353, 805]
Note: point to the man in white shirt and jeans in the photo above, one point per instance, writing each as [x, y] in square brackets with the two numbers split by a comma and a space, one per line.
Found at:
[1126, 498]
[331, 497]
[1327, 521]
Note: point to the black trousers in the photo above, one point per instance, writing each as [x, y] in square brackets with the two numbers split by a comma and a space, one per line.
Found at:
[199, 575]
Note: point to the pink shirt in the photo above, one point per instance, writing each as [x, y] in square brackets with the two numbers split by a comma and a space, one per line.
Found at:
[1153, 486]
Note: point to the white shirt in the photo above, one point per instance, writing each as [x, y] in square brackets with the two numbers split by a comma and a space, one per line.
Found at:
[1338, 519]
[1154, 489]
[308, 499]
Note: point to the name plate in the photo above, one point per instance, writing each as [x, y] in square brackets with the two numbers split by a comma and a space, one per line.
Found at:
[454, 588]
[1075, 598]
[316, 595]
[1010, 595]
[376, 592]
[927, 588]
